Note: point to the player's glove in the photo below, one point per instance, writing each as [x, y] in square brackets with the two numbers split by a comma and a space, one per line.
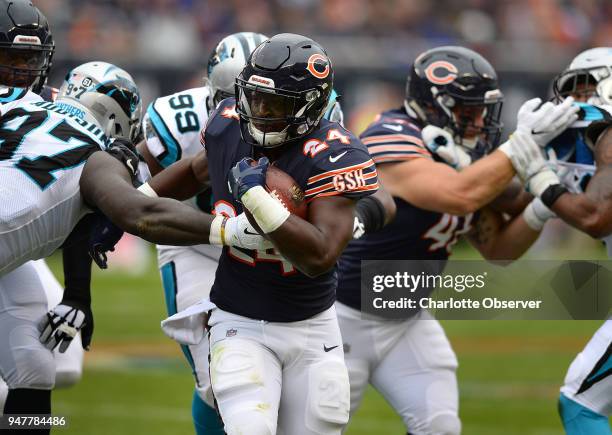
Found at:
[102, 239]
[61, 324]
[547, 121]
[529, 162]
[245, 176]
[237, 231]
[441, 143]
[124, 151]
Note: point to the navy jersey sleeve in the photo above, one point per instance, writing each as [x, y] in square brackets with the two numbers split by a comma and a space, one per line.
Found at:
[393, 139]
[220, 118]
[344, 167]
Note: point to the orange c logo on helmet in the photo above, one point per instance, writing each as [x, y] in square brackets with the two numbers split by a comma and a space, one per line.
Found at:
[448, 75]
[316, 62]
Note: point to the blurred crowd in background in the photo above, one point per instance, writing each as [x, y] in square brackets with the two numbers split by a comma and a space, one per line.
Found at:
[165, 44]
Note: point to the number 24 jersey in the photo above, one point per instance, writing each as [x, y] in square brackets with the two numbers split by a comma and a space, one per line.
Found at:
[327, 162]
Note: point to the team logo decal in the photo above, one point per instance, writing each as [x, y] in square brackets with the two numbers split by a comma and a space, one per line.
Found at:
[318, 66]
[441, 72]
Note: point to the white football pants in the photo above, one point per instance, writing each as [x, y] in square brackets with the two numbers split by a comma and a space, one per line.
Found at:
[410, 362]
[285, 378]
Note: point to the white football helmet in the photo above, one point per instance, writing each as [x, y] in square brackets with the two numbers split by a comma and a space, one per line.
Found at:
[589, 75]
[106, 92]
[227, 61]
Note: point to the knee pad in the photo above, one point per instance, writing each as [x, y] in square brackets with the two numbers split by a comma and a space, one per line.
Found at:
[67, 378]
[328, 396]
[33, 364]
[445, 424]
[253, 423]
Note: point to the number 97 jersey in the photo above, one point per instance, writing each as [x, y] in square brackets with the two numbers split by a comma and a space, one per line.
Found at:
[172, 125]
[42, 153]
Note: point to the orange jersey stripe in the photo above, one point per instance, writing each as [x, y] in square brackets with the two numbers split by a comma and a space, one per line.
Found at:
[398, 148]
[335, 192]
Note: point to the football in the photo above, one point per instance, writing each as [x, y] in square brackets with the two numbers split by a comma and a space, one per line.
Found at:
[283, 187]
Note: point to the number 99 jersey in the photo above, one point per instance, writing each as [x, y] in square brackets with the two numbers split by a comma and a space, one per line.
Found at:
[42, 152]
[172, 125]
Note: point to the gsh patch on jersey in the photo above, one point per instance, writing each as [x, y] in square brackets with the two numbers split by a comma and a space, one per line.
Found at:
[262, 284]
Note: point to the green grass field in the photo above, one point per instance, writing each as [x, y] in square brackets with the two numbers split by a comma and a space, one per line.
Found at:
[137, 382]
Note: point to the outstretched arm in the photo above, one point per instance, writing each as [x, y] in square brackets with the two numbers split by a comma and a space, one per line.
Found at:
[591, 211]
[105, 184]
[181, 180]
[438, 187]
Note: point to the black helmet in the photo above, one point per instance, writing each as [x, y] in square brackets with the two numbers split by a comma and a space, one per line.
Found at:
[26, 45]
[283, 90]
[447, 77]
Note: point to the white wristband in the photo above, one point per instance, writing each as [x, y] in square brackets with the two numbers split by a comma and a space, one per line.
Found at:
[269, 213]
[532, 220]
[148, 190]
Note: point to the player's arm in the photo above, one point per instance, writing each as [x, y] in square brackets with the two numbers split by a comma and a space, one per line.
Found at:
[373, 212]
[512, 200]
[438, 187]
[106, 184]
[313, 246]
[181, 180]
[590, 211]
[499, 239]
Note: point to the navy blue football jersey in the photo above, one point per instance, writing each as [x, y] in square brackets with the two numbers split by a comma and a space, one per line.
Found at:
[262, 284]
[415, 233]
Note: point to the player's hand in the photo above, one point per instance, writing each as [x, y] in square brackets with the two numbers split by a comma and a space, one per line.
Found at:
[547, 121]
[61, 324]
[440, 142]
[245, 176]
[125, 151]
[240, 233]
[102, 239]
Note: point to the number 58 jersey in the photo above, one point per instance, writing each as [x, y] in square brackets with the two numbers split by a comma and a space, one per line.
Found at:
[42, 152]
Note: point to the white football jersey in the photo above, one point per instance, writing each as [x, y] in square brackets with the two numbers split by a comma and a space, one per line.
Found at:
[173, 123]
[172, 128]
[42, 153]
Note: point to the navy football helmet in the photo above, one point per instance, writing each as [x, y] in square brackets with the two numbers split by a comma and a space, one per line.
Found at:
[456, 88]
[283, 91]
[26, 45]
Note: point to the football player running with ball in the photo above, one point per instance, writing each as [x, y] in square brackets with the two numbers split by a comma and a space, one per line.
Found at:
[276, 359]
[172, 128]
[450, 117]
